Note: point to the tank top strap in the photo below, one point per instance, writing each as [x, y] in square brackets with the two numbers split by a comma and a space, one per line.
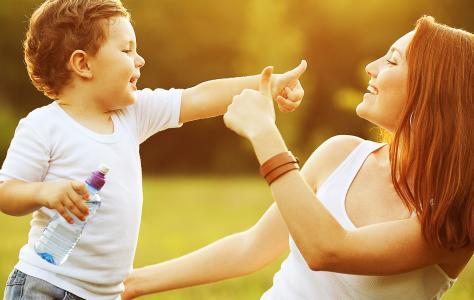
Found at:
[356, 159]
[345, 173]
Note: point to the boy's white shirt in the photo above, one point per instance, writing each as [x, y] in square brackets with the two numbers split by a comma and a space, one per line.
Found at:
[49, 145]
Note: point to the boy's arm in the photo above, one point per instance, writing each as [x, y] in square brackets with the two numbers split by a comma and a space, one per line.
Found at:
[19, 198]
[211, 98]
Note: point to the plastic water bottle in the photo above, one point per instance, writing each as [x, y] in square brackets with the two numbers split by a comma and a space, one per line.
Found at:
[59, 237]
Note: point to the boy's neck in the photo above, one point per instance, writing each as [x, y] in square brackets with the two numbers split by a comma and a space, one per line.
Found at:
[81, 104]
[87, 111]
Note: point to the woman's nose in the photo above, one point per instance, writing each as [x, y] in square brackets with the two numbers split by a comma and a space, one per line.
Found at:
[371, 69]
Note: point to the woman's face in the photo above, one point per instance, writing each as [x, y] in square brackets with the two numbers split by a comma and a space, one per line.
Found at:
[387, 89]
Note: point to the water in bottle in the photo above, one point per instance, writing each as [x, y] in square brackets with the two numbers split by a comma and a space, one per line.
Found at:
[59, 237]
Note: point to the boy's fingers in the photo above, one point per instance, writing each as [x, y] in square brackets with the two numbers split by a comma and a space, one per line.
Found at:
[62, 211]
[80, 188]
[286, 105]
[295, 94]
[298, 91]
[296, 73]
[79, 203]
[72, 208]
[265, 86]
[290, 94]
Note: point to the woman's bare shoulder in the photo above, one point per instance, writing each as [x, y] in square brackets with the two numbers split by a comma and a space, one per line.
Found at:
[327, 157]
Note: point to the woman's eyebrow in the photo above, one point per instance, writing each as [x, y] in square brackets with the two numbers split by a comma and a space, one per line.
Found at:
[395, 49]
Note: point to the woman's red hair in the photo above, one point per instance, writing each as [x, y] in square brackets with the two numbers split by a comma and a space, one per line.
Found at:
[432, 151]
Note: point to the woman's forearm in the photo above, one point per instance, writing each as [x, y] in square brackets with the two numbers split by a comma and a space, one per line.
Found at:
[312, 227]
[229, 257]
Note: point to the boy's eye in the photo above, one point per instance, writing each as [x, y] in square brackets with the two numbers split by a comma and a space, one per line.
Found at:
[127, 51]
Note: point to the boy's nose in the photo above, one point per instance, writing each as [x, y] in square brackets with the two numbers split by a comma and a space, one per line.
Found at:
[140, 61]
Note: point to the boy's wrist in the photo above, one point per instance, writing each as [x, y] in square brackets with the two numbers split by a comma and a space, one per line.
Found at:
[40, 195]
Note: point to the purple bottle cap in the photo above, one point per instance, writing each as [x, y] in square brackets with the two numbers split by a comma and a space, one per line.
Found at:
[97, 178]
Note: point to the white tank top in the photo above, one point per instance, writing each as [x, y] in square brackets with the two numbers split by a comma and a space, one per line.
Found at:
[296, 281]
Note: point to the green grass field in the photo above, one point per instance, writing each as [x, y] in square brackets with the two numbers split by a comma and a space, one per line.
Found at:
[183, 214]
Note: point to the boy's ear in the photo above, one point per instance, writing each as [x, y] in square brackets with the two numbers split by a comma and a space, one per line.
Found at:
[79, 64]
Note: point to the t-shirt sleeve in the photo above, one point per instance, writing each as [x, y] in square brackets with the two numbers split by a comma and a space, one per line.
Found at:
[27, 157]
[156, 110]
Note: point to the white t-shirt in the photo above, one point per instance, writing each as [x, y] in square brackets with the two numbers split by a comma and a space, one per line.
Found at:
[49, 145]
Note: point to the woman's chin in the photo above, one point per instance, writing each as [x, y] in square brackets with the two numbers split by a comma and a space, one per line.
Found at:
[362, 112]
[364, 106]
[360, 109]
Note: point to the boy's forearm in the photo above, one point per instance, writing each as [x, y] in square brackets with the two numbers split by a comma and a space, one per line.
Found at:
[226, 258]
[211, 98]
[18, 198]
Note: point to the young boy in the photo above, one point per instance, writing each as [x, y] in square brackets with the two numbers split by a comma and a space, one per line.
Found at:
[83, 55]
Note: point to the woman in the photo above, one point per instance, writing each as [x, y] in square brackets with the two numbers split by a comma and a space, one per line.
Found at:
[402, 212]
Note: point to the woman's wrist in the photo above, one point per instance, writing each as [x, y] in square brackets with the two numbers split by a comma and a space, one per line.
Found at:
[136, 283]
[267, 143]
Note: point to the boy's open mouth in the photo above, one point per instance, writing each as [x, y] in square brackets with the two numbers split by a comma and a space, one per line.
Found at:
[134, 80]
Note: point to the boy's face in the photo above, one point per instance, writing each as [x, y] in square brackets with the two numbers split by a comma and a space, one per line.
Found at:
[116, 66]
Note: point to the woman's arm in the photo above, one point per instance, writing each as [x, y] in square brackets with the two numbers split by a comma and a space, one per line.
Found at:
[378, 249]
[385, 248]
[235, 255]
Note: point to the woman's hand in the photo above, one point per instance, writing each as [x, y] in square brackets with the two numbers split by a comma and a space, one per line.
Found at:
[286, 88]
[252, 112]
[130, 286]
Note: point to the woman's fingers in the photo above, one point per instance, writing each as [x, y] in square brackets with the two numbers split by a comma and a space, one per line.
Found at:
[265, 82]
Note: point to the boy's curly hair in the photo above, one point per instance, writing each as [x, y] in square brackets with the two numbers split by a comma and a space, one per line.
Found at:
[59, 27]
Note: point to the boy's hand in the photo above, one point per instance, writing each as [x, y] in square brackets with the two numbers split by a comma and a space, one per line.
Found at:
[65, 197]
[286, 88]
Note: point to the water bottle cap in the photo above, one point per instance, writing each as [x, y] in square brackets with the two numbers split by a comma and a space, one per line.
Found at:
[104, 169]
[97, 178]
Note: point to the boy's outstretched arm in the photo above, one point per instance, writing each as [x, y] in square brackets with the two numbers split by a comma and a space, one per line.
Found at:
[211, 98]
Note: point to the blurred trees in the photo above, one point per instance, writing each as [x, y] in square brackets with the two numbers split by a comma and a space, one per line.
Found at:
[186, 42]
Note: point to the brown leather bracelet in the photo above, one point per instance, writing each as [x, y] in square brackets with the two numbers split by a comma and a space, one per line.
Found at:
[277, 161]
[278, 165]
[280, 171]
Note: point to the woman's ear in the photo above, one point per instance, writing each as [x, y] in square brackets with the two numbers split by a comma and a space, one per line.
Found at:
[79, 64]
